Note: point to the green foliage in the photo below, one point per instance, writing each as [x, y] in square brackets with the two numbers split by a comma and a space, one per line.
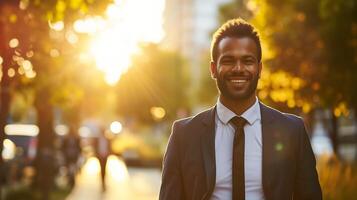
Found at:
[156, 78]
[339, 33]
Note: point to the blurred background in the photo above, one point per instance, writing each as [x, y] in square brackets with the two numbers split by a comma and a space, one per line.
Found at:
[89, 82]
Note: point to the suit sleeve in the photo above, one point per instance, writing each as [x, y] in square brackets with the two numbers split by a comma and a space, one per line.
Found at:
[307, 186]
[171, 182]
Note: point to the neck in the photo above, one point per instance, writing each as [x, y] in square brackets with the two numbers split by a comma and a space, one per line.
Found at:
[238, 106]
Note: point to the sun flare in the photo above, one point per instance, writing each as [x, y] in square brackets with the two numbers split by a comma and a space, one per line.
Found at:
[127, 23]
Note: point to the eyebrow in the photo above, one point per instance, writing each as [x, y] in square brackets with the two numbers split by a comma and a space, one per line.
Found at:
[228, 56]
[249, 56]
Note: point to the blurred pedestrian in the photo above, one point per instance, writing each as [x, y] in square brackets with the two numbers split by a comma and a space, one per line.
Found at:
[102, 152]
[239, 149]
[71, 150]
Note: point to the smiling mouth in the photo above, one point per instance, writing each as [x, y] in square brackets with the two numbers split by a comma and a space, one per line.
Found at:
[239, 81]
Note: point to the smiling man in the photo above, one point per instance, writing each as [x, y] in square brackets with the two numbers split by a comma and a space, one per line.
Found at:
[240, 149]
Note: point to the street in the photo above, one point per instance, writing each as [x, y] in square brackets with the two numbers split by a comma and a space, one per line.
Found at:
[122, 183]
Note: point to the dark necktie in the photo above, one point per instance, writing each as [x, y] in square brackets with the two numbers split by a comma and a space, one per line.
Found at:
[238, 184]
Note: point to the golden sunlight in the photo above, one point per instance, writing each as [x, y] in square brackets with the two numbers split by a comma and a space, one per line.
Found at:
[92, 166]
[128, 23]
[117, 169]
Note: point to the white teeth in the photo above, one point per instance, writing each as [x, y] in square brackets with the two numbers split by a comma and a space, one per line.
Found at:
[238, 81]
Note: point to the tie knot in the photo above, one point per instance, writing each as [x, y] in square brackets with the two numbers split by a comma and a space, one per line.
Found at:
[238, 122]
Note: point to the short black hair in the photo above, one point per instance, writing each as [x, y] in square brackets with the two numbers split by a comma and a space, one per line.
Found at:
[235, 28]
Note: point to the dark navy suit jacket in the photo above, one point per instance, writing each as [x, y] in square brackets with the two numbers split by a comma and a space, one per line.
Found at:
[289, 172]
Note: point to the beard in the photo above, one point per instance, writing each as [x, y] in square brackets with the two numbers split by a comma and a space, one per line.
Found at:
[234, 92]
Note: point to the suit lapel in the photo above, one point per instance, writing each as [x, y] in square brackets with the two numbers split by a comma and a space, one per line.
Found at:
[268, 128]
[208, 149]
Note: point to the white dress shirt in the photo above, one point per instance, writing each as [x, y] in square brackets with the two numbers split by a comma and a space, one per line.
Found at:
[224, 152]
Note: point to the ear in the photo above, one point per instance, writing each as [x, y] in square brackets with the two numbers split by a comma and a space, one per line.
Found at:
[260, 67]
[213, 70]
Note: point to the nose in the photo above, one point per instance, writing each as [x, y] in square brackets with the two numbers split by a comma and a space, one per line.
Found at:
[238, 66]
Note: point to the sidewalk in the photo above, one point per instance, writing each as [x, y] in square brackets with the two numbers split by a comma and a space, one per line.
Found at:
[122, 183]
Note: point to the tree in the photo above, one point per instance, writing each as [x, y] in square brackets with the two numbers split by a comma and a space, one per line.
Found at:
[155, 79]
[51, 70]
[339, 35]
[40, 50]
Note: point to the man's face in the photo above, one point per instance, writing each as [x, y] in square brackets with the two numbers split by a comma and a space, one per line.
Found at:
[237, 68]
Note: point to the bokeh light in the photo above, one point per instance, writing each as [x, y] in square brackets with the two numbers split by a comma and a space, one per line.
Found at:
[14, 43]
[158, 113]
[116, 127]
[57, 26]
[11, 72]
[21, 129]
[30, 74]
[29, 54]
[61, 129]
[9, 149]
[27, 65]
[24, 4]
[54, 53]
[84, 131]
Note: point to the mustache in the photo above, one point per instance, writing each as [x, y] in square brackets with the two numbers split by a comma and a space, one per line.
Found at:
[240, 74]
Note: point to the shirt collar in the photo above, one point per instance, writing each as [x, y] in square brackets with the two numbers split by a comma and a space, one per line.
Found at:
[251, 114]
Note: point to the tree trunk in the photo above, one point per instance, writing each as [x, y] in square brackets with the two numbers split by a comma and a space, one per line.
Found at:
[5, 97]
[45, 163]
[334, 133]
[4, 113]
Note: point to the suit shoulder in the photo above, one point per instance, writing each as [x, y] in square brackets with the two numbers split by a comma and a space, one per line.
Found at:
[192, 120]
[284, 117]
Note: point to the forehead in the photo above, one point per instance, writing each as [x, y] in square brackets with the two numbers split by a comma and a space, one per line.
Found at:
[237, 46]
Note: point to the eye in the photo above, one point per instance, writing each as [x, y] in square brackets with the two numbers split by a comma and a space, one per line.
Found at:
[227, 62]
[249, 61]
